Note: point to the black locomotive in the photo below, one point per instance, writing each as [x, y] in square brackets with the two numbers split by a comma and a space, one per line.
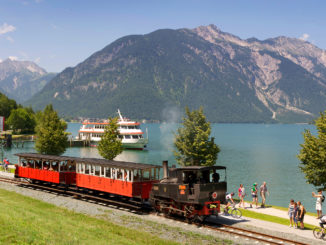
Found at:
[194, 192]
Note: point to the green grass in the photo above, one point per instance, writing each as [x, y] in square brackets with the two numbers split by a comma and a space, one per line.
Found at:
[24, 220]
[271, 218]
[10, 170]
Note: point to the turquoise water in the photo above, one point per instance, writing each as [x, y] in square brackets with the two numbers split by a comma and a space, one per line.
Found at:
[251, 153]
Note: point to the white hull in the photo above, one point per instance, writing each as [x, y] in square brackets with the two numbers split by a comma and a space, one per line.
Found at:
[130, 133]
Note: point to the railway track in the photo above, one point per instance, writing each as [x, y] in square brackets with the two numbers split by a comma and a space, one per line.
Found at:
[132, 206]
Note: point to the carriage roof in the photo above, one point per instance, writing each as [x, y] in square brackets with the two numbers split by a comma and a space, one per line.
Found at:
[95, 161]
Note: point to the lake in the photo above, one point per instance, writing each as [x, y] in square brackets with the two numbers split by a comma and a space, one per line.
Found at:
[251, 153]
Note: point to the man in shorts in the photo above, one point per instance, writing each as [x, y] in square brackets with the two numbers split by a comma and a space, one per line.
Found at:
[229, 201]
[263, 190]
[254, 195]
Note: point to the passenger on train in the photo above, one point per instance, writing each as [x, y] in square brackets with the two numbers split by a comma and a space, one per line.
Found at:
[216, 177]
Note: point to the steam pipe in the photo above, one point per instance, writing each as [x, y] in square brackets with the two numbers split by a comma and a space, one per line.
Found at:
[165, 169]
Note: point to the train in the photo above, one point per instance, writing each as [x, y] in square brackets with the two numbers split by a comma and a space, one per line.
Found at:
[194, 192]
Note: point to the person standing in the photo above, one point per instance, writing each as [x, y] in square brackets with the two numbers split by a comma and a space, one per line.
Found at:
[254, 195]
[301, 213]
[291, 212]
[241, 193]
[319, 197]
[263, 190]
[295, 214]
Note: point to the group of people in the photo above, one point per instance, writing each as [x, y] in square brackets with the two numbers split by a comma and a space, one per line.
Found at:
[254, 194]
[296, 213]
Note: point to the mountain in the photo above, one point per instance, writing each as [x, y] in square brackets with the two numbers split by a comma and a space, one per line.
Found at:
[20, 80]
[275, 80]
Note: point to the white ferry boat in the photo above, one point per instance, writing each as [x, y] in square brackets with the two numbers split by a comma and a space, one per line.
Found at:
[131, 135]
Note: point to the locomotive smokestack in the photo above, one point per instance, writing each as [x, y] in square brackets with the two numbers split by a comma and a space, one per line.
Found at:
[165, 169]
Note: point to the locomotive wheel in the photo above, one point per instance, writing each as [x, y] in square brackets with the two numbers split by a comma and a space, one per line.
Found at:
[199, 218]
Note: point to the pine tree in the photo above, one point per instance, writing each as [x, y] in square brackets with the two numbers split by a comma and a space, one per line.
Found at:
[51, 137]
[313, 154]
[110, 145]
[194, 146]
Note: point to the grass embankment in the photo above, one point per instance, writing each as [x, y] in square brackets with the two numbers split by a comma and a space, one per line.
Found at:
[24, 220]
[272, 218]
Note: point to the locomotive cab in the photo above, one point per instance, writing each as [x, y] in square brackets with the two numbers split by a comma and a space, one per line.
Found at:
[198, 188]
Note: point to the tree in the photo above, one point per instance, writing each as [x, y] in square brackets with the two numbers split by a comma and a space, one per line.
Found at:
[51, 137]
[313, 154]
[110, 145]
[195, 148]
[22, 120]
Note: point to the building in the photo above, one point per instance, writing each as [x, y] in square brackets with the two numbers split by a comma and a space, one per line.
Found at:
[2, 124]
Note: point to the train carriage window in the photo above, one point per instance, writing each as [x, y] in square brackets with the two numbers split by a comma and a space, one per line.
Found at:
[92, 172]
[102, 171]
[137, 175]
[55, 166]
[119, 174]
[97, 170]
[146, 174]
[152, 171]
[63, 166]
[46, 165]
[71, 166]
[108, 172]
[87, 169]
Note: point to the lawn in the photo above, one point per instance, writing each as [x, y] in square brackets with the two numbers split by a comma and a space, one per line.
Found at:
[24, 220]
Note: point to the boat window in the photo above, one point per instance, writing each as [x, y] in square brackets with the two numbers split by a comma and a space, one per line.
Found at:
[146, 174]
[124, 127]
[127, 137]
[135, 136]
[131, 127]
[120, 136]
[140, 136]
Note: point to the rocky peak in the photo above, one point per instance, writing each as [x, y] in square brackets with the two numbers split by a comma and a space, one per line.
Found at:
[213, 34]
[11, 65]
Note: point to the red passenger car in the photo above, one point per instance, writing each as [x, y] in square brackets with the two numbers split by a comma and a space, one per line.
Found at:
[46, 168]
[120, 178]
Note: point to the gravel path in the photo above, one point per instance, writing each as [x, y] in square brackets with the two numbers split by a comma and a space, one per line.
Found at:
[156, 225]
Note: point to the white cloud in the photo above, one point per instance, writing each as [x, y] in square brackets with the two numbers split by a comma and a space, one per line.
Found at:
[304, 37]
[10, 39]
[0, 60]
[5, 28]
[13, 58]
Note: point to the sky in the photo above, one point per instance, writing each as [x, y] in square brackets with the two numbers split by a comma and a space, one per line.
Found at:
[62, 33]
